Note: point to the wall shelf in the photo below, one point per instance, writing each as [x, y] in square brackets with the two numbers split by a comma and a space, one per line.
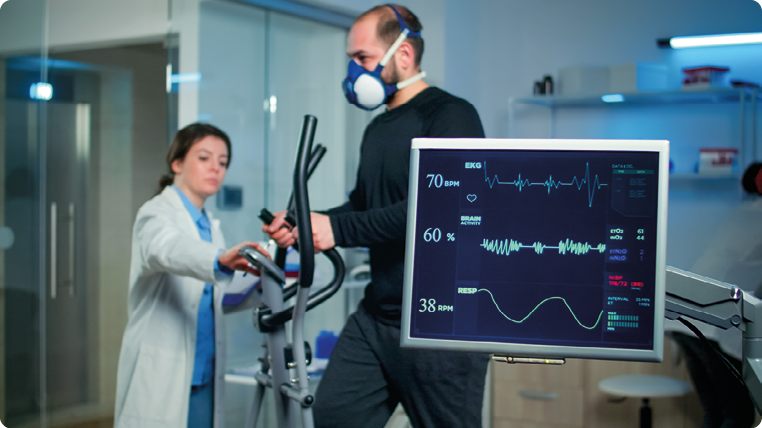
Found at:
[730, 182]
[745, 98]
[703, 96]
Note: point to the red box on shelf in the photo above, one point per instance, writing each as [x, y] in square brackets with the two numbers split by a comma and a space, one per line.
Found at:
[717, 160]
[705, 77]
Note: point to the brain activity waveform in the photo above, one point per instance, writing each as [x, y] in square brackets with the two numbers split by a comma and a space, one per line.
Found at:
[506, 246]
[540, 304]
[552, 184]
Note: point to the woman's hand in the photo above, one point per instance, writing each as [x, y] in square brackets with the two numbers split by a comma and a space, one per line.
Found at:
[232, 260]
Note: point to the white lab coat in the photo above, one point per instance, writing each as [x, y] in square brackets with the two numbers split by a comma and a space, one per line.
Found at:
[170, 265]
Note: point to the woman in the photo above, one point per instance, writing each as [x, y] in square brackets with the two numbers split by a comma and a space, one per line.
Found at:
[172, 359]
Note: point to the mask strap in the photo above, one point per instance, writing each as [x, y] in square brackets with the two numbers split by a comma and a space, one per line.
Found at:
[411, 80]
[401, 38]
[403, 26]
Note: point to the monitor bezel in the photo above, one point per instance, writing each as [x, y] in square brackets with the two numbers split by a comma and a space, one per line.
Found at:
[655, 354]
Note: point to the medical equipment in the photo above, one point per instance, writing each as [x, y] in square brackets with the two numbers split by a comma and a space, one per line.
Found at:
[483, 216]
[726, 306]
[537, 250]
[284, 364]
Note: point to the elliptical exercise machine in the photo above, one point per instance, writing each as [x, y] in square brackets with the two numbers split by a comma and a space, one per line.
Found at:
[284, 364]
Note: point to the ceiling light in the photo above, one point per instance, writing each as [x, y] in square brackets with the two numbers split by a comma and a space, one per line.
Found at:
[41, 91]
[711, 40]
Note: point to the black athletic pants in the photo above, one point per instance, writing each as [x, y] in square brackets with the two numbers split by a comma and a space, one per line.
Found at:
[725, 400]
[368, 374]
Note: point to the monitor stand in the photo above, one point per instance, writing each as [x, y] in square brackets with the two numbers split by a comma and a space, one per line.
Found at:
[525, 360]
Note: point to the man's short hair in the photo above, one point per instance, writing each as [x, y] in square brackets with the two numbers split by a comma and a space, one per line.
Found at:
[389, 28]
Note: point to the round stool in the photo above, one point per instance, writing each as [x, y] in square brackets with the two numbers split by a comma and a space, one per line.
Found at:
[646, 387]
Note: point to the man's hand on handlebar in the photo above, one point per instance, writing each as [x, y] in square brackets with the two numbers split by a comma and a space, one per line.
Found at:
[231, 259]
[283, 236]
[322, 232]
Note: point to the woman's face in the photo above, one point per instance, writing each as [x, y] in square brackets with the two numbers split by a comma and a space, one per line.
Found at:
[203, 169]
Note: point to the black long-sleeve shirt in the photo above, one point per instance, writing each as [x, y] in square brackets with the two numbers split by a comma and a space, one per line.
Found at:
[375, 215]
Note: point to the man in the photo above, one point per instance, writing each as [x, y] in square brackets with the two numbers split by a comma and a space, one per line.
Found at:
[368, 373]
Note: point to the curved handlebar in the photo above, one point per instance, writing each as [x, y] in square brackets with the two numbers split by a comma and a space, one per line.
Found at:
[269, 319]
[280, 256]
[306, 162]
[315, 157]
[302, 203]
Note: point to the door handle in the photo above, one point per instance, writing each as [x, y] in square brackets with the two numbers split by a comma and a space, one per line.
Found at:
[54, 250]
[53, 244]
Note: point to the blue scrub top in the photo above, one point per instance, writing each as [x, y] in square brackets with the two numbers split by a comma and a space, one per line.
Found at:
[203, 365]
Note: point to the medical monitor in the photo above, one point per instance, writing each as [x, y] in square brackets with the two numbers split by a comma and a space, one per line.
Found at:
[537, 248]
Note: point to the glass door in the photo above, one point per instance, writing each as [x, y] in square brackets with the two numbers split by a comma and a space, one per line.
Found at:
[225, 88]
[67, 338]
[45, 298]
[22, 216]
[306, 62]
[82, 141]
[258, 72]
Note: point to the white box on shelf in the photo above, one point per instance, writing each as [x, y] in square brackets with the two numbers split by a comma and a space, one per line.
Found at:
[637, 77]
[583, 80]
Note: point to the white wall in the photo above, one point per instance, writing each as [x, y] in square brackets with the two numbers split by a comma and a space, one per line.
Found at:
[101, 22]
[21, 26]
[185, 21]
[461, 61]
[80, 23]
[506, 45]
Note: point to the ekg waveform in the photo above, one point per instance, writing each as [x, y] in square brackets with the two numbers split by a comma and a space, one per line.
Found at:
[540, 304]
[552, 184]
[506, 246]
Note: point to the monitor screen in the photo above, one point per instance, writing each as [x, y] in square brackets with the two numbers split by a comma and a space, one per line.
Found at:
[537, 248]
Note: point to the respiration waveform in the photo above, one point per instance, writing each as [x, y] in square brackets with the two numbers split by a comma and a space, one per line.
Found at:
[504, 247]
[552, 184]
[540, 304]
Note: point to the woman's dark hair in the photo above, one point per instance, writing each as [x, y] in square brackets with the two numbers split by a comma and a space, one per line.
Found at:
[184, 140]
